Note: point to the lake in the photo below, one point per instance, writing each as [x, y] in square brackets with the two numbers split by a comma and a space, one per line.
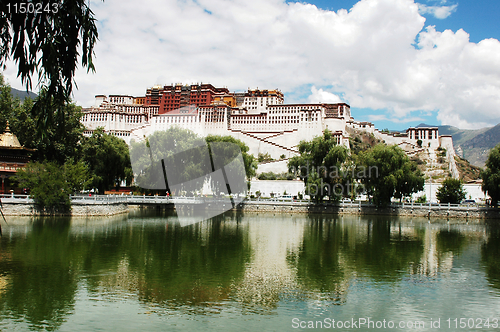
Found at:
[249, 272]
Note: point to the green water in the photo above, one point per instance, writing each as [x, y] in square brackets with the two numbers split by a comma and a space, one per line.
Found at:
[249, 272]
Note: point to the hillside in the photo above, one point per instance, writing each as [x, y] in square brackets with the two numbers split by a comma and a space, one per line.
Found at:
[22, 94]
[432, 163]
[473, 145]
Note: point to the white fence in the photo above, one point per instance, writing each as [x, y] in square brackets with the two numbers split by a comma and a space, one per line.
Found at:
[128, 199]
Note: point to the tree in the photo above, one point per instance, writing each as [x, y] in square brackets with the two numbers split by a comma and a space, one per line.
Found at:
[248, 159]
[225, 152]
[391, 174]
[59, 142]
[48, 42]
[491, 175]
[8, 105]
[264, 157]
[451, 191]
[188, 161]
[108, 159]
[165, 148]
[50, 184]
[318, 165]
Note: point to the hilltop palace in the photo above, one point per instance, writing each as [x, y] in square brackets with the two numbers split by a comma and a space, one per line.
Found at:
[259, 118]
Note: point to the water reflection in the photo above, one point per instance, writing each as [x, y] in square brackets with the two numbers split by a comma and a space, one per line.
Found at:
[490, 253]
[245, 263]
[38, 279]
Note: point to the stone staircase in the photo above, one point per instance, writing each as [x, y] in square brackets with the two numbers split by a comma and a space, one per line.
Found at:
[264, 140]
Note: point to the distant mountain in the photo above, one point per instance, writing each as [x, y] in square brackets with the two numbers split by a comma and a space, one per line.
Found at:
[22, 94]
[473, 145]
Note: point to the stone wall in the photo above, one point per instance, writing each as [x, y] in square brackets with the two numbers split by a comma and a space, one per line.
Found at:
[28, 209]
[276, 166]
[439, 212]
[98, 209]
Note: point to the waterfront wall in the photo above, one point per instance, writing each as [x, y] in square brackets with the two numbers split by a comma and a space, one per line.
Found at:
[292, 187]
[472, 212]
[104, 209]
[94, 207]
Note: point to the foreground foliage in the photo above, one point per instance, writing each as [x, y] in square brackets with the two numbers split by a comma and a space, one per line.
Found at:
[48, 44]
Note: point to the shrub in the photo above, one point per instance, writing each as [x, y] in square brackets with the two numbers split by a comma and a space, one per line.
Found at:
[50, 184]
[451, 191]
[421, 199]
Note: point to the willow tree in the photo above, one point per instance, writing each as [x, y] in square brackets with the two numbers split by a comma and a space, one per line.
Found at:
[320, 165]
[394, 174]
[48, 40]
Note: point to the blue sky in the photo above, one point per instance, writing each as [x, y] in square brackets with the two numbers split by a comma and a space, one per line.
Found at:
[479, 18]
[396, 62]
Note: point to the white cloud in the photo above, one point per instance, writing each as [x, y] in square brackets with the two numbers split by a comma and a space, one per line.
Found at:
[321, 96]
[382, 117]
[440, 12]
[366, 54]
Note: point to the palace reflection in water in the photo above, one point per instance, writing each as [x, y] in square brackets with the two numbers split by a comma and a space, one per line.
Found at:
[145, 269]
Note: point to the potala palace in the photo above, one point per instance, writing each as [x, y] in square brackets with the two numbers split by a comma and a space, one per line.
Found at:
[260, 118]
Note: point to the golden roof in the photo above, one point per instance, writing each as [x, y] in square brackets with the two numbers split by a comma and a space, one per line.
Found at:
[8, 139]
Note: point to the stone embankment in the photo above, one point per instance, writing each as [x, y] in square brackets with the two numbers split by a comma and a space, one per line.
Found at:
[356, 208]
[21, 205]
[113, 205]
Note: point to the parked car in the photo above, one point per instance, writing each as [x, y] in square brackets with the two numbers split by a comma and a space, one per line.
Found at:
[468, 202]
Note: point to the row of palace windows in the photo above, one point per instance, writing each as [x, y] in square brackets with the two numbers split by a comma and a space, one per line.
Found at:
[175, 119]
[100, 117]
[131, 109]
[288, 110]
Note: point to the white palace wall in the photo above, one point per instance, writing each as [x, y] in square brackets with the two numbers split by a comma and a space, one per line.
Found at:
[276, 129]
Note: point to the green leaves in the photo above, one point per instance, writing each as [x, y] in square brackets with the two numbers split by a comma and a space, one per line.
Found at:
[451, 191]
[328, 170]
[396, 176]
[320, 165]
[248, 159]
[491, 175]
[50, 184]
[108, 160]
[48, 42]
[187, 159]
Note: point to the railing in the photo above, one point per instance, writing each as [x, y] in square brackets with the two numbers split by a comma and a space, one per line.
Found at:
[358, 203]
[97, 199]
[11, 198]
[129, 199]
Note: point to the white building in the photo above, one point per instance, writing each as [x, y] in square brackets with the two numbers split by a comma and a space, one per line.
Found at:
[261, 120]
[256, 101]
[117, 115]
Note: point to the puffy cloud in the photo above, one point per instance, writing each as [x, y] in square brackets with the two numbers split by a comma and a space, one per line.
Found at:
[440, 12]
[377, 55]
[321, 96]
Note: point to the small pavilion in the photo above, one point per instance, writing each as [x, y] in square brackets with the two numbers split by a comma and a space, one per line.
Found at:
[13, 156]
